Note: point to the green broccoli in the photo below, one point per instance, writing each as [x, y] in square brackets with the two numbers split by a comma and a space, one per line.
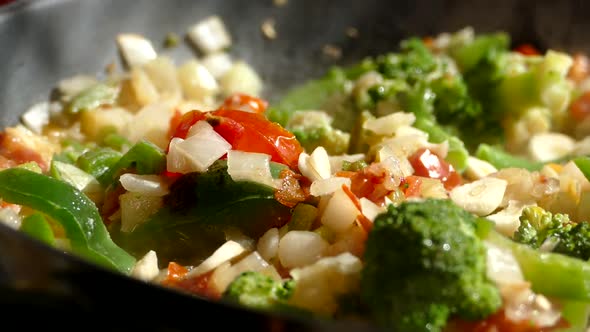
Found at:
[261, 292]
[314, 128]
[539, 227]
[423, 264]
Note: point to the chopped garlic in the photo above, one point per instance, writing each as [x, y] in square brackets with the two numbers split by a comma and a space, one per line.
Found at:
[146, 268]
[480, 197]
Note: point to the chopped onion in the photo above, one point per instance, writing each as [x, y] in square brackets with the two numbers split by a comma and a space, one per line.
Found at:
[198, 151]
[409, 130]
[136, 208]
[210, 35]
[226, 273]
[224, 253]
[146, 268]
[150, 185]
[478, 169]
[250, 166]
[136, 49]
[547, 147]
[340, 212]
[236, 235]
[370, 209]
[315, 166]
[388, 125]
[241, 78]
[327, 186]
[10, 218]
[72, 86]
[36, 117]
[300, 248]
[395, 161]
[196, 81]
[507, 221]
[217, 63]
[502, 267]
[268, 244]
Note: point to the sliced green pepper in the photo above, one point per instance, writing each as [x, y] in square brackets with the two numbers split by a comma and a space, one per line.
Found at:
[144, 156]
[91, 98]
[37, 227]
[502, 159]
[97, 162]
[583, 164]
[69, 207]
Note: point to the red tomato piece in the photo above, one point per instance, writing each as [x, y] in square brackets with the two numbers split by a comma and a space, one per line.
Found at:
[412, 185]
[428, 164]
[580, 108]
[527, 49]
[245, 103]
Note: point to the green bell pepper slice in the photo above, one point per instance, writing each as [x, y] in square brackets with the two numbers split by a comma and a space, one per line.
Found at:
[72, 209]
[36, 226]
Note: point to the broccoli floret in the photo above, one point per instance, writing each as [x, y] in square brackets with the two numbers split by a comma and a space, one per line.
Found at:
[539, 227]
[314, 128]
[261, 292]
[423, 264]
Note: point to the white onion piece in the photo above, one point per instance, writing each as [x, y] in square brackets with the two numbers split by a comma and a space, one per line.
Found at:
[300, 248]
[224, 253]
[268, 244]
[198, 151]
[241, 78]
[340, 212]
[149, 184]
[250, 166]
[315, 166]
[196, 81]
[480, 197]
[210, 35]
[217, 63]
[36, 117]
[327, 186]
[72, 86]
[10, 218]
[387, 125]
[547, 147]
[136, 49]
[236, 235]
[409, 130]
[226, 273]
[507, 220]
[370, 209]
[478, 169]
[395, 161]
[146, 268]
[501, 265]
[136, 208]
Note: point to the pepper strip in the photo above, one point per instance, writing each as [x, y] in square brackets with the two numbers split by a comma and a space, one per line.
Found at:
[69, 207]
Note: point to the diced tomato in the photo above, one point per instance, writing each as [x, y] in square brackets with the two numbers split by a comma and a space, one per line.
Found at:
[428, 164]
[580, 68]
[249, 132]
[412, 186]
[580, 108]
[198, 285]
[527, 49]
[245, 103]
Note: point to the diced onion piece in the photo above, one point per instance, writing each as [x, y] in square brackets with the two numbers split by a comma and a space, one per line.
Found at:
[72, 86]
[340, 212]
[144, 89]
[196, 81]
[236, 235]
[76, 177]
[9, 217]
[210, 35]
[268, 244]
[151, 123]
[501, 266]
[370, 209]
[570, 169]
[149, 184]
[136, 49]
[250, 166]
[36, 117]
[478, 169]
[395, 161]
[480, 197]
[320, 285]
[409, 130]
[241, 78]
[217, 63]
[197, 152]
[224, 253]
[300, 248]
[388, 125]
[315, 166]
[550, 146]
[226, 273]
[163, 74]
[507, 220]
[405, 146]
[136, 208]
[252, 262]
[146, 268]
[327, 186]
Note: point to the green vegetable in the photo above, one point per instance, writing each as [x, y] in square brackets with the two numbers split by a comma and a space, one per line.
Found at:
[145, 157]
[72, 175]
[576, 314]
[70, 208]
[257, 291]
[502, 159]
[353, 166]
[424, 263]
[98, 161]
[91, 98]
[538, 227]
[583, 164]
[199, 207]
[314, 129]
[304, 215]
[36, 226]
[550, 274]
[116, 142]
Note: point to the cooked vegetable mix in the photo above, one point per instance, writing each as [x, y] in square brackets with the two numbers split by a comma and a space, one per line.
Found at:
[443, 186]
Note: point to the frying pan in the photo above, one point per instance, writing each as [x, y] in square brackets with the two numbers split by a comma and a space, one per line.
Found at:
[46, 40]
